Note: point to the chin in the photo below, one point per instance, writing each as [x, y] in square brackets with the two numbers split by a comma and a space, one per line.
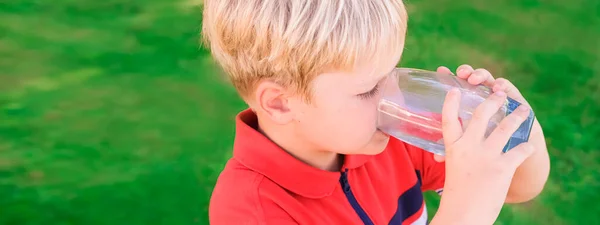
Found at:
[378, 144]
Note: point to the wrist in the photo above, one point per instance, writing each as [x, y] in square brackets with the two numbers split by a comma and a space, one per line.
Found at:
[468, 208]
[448, 216]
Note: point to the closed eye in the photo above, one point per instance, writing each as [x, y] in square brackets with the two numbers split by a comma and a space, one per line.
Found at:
[370, 94]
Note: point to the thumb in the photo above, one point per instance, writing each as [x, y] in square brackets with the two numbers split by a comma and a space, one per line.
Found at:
[439, 158]
[516, 156]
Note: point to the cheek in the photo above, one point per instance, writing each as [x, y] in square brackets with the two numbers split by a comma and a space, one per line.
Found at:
[354, 123]
[345, 126]
[364, 117]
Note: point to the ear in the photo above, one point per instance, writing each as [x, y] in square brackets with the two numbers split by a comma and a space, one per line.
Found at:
[274, 100]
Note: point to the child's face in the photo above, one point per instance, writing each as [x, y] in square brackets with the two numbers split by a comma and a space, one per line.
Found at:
[342, 116]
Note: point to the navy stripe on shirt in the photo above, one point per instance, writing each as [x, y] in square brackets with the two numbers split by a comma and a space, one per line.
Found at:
[409, 203]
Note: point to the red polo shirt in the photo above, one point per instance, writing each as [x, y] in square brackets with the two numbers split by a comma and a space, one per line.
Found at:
[262, 184]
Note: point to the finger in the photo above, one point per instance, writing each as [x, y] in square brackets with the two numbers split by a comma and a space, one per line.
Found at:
[483, 113]
[481, 76]
[444, 70]
[451, 128]
[507, 127]
[516, 156]
[511, 90]
[464, 71]
[439, 158]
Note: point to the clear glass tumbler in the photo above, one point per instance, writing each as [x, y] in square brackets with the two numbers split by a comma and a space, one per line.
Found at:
[411, 106]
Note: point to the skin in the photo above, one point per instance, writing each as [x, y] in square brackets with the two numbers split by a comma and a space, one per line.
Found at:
[531, 176]
[341, 119]
[337, 121]
[478, 174]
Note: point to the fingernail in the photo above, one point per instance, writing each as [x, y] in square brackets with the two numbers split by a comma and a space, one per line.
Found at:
[460, 71]
[500, 93]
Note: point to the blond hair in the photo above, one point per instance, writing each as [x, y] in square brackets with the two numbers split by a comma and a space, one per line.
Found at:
[291, 41]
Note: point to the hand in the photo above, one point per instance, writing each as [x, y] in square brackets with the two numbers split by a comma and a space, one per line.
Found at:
[531, 176]
[478, 173]
[472, 76]
[482, 76]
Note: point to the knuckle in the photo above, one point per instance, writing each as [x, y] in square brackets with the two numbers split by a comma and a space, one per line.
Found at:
[464, 66]
[446, 123]
[526, 148]
[494, 101]
[497, 166]
[480, 113]
[500, 82]
[498, 100]
[483, 71]
[510, 163]
[509, 124]
[488, 107]
[514, 120]
[501, 167]
[519, 118]
[497, 162]
[483, 109]
[504, 128]
[474, 77]
[529, 148]
[505, 83]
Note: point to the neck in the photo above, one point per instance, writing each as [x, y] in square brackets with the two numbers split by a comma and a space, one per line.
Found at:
[301, 149]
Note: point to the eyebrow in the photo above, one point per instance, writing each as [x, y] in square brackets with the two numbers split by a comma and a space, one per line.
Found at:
[374, 82]
[384, 75]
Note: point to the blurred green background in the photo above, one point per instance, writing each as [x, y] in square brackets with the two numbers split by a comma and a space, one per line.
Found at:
[111, 112]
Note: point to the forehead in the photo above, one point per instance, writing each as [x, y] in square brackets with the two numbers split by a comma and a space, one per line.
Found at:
[365, 74]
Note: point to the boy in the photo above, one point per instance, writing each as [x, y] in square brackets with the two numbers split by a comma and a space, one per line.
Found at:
[307, 150]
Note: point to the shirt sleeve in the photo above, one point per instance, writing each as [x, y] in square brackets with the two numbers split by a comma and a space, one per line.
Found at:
[431, 173]
[248, 213]
[243, 204]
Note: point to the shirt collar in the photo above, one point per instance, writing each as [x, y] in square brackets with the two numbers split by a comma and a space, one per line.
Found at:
[255, 151]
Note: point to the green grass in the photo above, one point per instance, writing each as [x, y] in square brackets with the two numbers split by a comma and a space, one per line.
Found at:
[111, 113]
